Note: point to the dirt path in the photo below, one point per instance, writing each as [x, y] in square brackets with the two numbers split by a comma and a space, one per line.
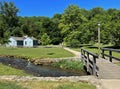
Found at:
[76, 53]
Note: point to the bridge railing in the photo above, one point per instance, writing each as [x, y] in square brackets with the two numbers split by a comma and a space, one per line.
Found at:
[110, 54]
[89, 60]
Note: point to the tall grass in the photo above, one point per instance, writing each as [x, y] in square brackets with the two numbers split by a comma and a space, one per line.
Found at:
[69, 64]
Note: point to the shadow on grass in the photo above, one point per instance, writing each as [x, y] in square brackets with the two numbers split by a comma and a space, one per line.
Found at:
[50, 53]
[93, 47]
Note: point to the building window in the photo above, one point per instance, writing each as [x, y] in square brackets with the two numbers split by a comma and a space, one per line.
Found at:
[25, 42]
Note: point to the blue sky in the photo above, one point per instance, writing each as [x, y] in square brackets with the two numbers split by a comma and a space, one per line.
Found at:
[51, 7]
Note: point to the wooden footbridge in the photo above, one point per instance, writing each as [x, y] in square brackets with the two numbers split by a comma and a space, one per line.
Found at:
[104, 68]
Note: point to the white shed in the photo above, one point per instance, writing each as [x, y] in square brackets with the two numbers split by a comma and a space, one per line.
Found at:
[12, 42]
[28, 42]
[22, 42]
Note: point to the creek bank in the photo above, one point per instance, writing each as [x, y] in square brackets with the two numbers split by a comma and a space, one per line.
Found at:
[40, 61]
[37, 70]
[62, 78]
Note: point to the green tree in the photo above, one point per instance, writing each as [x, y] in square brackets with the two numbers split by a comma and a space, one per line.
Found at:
[116, 36]
[8, 20]
[95, 11]
[10, 14]
[73, 39]
[71, 20]
[45, 39]
[17, 32]
[55, 35]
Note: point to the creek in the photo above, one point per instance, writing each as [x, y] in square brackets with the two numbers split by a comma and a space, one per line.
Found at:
[38, 70]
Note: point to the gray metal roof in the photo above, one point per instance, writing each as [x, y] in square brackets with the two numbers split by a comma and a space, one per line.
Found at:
[22, 38]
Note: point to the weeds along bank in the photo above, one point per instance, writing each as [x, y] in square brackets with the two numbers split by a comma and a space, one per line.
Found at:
[73, 82]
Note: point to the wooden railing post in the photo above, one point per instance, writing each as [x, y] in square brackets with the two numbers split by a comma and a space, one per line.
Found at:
[81, 53]
[110, 53]
[94, 65]
[103, 53]
[87, 62]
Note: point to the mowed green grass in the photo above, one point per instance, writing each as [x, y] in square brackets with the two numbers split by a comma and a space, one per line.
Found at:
[9, 85]
[95, 50]
[7, 70]
[45, 85]
[36, 52]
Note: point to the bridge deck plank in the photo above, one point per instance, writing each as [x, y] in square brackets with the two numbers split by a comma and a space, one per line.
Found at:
[108, 70]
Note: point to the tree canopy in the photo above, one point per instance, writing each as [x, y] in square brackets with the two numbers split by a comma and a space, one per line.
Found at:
[74, 27]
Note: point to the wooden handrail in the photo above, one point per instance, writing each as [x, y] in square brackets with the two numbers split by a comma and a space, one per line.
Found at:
[110, 53]
[89, 62]
[108, 49]
[90, 53]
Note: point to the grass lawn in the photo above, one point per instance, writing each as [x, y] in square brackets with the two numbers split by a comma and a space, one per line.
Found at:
[94, 49]
[36, 52]
[7, 70]
[9, 85]
[45, 85]
[91, 48]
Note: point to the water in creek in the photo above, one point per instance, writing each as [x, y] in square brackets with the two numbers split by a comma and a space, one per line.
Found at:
[38, 70]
